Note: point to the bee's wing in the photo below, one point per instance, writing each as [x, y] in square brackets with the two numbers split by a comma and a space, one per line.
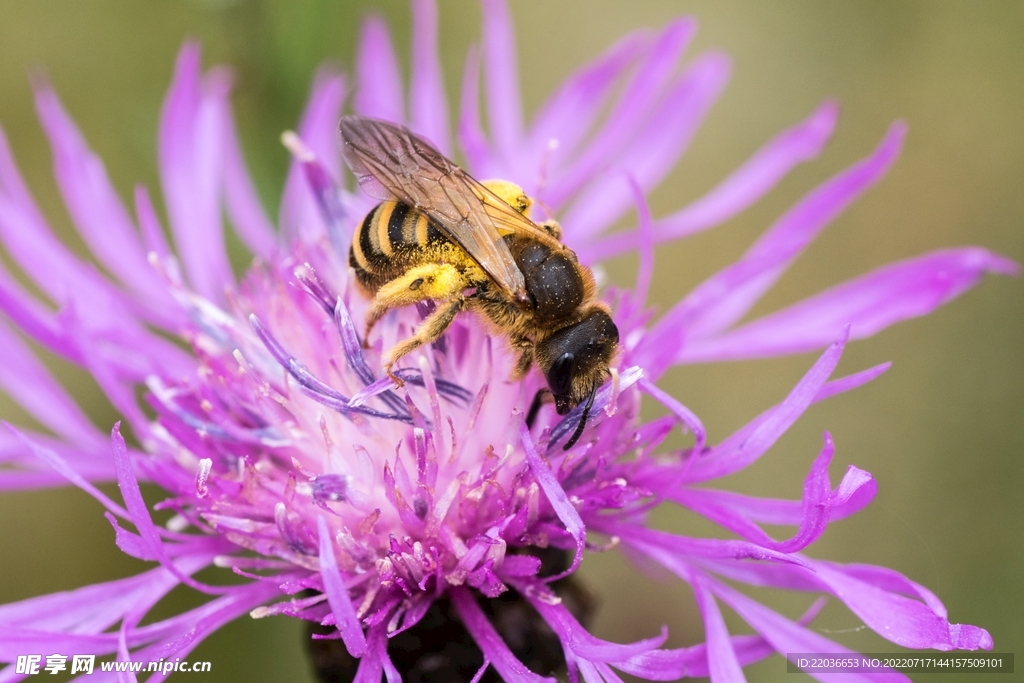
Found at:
[390, 162]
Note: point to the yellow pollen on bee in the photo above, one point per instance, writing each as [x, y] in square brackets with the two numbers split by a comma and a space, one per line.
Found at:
[511, 194]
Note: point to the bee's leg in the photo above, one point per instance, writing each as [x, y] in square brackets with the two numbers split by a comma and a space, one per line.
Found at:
[434, 281]
[432, 327]
[525, 348]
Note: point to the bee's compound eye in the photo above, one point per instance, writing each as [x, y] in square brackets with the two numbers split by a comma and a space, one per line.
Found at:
[560, 375]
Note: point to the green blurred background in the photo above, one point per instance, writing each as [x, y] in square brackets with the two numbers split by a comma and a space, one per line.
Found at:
[942, 431]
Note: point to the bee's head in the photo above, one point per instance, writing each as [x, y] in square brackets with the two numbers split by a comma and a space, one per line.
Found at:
[575, 359]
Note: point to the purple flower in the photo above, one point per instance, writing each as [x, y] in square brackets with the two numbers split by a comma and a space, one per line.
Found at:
[289, 458]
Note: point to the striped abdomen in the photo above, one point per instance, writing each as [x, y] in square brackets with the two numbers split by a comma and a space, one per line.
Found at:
[389, 241]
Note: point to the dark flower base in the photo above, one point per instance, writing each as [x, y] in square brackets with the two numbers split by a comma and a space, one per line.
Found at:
[440, 650]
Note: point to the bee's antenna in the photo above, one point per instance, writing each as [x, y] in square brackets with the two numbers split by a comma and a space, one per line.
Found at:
[583, 421]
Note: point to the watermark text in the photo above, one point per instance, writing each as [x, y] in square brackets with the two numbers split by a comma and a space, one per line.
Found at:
[31, 665]
[887, 662]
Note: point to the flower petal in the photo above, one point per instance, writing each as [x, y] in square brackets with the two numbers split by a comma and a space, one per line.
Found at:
[692, 662]
[897, 618]
[23, 469]
[52, 459]
[57, 272]
[179, 635]
[558, 498]
[638, 97]
[892, 580]
[746, 185]
[738, 512]
[328, 195]
[656, 148]
[474, 144]
[684, 414]
[32, 318]
[573, 635]
[93, 609]
[869, 303]
[904, 620]
[570, 112]
[97, 213]
[17, 641]
[723, 664]
[725, 297]
[152, 231]
[787, 636]
[379, 94]
[491, 644]
[819, 505]
[337, 594]
[661, 544]
[141, 518]
[247, 215]
[192, 147]
[300, 216]
[429, 103]
[504, 107]
[750, 443]
[26, 379]
[844, 384]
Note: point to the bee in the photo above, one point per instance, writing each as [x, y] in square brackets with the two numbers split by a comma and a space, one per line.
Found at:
[439, 235]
